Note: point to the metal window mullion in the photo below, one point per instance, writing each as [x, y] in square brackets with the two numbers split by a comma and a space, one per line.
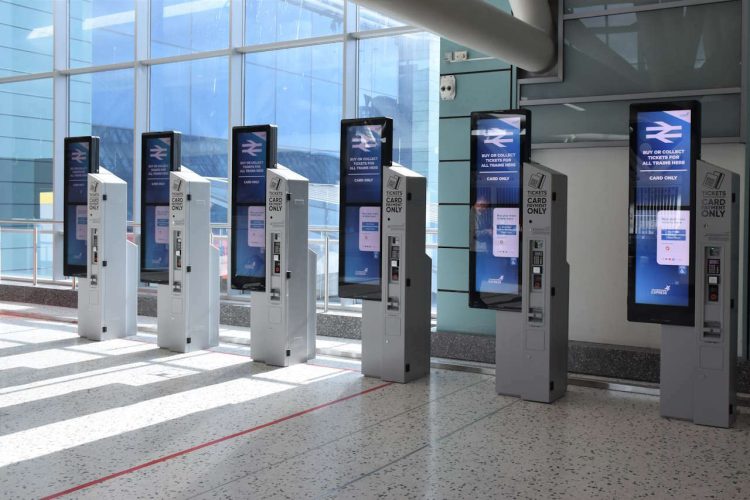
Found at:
[236, 108]
[383, 32]
[350, 64]
[96, 69]
[291, 44]
[141, 100]
[27, 77]
[187, 57]
[60, 115]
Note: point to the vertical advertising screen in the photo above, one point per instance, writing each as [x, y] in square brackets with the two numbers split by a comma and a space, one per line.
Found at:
[500, 143]
[366, 147]
[253, 151]
[81, 158]
[160, 154]
[664, 148]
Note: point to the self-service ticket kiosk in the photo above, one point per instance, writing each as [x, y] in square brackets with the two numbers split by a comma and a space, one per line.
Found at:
[176, 250]
[107, 292]
[683, 258]
[395, 287]
[188, 306]
[522, 274]
[270, 255]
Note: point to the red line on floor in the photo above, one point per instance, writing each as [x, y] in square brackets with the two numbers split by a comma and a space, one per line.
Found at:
[213, 442]
[43, 317]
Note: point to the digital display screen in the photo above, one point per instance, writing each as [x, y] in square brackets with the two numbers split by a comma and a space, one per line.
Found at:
[366, 147]
[160, 154]
[498, 150]
[253, 152]
[662, 170]
[81, 158]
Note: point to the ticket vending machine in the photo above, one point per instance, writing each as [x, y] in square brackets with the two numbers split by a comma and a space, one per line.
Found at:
[517, 260]
[107, 292]
[395, 287]
[188, 305]
[683, 260]
[270, 258]
[283, 319]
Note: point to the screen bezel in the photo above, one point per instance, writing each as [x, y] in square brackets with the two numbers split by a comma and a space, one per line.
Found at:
[486, 300]
[161, 275]
[247, 283]
[75, 270]
[651, 313]
[359, 290]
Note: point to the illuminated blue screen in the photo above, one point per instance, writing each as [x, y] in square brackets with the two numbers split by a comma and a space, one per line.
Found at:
[155, 225]
[662, 207]
[363, 177]
[250, 214]
[77, 161]
[497, 181]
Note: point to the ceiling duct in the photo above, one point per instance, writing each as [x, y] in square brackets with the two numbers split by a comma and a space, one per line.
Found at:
[524, 41]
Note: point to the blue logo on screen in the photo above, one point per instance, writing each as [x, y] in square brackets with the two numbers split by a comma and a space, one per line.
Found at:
[664, 132]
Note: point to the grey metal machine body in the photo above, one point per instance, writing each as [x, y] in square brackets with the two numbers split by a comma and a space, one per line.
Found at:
[188, 306]
[532, 344]
[282, 319]
[107, 296]
[698, 363]
[396, 330]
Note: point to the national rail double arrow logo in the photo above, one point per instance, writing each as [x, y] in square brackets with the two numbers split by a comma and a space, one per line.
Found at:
[664, 131]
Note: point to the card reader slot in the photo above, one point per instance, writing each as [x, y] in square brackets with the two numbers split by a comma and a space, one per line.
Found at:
[711, 331]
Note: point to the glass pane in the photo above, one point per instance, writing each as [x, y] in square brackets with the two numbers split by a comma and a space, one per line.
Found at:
[299, 90]
[268, 21]
[25, 172]
[102, 104]
[101, 32]
[608, 121]
[688, 48]
[398, 77]
[193, 98]
[586, 6]
[25, 37]
[371, 20]
[186, 26]
[26, 146]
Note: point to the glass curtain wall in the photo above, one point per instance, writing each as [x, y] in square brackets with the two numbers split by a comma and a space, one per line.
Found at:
[118, 68]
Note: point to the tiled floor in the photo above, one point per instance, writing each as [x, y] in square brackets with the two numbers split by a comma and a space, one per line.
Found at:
[124, 419]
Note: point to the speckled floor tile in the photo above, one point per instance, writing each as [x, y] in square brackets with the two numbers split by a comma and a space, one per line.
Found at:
[73, 411]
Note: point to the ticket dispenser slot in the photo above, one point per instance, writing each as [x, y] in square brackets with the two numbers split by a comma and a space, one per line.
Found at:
[94, 255]
[177, 245]
[275, 293]
[394, 269]
[536, 274]
[712, 330]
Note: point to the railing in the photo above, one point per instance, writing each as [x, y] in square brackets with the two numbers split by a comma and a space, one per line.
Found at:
[33, 261]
